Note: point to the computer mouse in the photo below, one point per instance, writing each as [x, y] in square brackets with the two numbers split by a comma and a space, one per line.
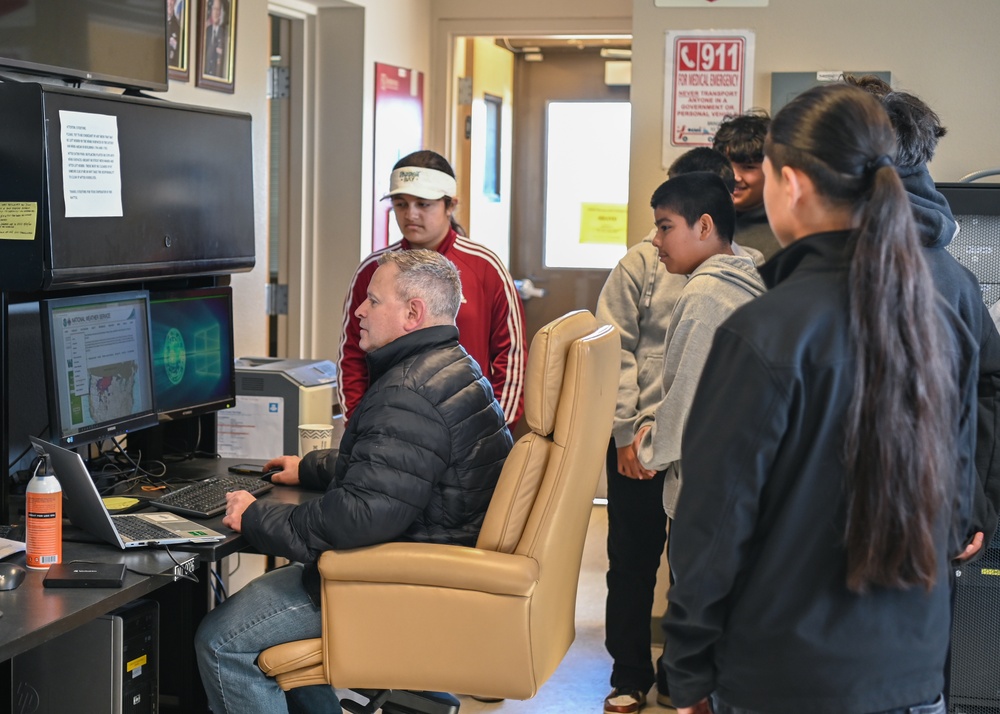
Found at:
[11, 575]
[269, 474]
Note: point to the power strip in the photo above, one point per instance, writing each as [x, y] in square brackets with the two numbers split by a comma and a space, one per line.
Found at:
[185, 569]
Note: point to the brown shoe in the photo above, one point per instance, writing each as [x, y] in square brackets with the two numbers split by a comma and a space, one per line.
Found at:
[624, 701]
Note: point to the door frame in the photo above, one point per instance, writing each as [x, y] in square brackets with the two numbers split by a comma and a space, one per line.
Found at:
[441, 129]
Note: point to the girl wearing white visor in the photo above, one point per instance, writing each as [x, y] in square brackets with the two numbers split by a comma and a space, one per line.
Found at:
[491, 319]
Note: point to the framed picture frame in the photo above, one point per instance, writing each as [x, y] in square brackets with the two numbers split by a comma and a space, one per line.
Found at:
[216, 45]
[178, 22]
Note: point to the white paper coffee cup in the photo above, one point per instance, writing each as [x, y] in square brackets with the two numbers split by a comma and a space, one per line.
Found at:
[314, 436]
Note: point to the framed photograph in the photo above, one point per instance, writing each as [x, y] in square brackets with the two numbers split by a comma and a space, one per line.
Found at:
[216, 45]
[178, 22]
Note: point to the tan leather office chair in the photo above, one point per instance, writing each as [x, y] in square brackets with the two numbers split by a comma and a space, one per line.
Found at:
[497, 619]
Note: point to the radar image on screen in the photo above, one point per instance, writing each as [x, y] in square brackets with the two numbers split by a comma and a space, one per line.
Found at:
[111, 388]
[192, 350]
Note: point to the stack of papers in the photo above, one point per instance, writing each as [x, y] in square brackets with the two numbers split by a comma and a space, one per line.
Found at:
[10, 547]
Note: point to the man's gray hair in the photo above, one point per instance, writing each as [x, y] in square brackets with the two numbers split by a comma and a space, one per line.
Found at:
[428, 275]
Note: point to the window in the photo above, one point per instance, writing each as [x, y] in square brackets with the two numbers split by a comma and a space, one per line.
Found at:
[586, 183]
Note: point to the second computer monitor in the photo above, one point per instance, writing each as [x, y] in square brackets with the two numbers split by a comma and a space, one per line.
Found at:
[192, 333]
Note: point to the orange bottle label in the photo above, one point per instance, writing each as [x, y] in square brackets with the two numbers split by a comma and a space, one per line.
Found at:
[43, 530]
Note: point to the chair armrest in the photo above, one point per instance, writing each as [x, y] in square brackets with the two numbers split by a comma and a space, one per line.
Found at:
[292, 657]
[433, 564]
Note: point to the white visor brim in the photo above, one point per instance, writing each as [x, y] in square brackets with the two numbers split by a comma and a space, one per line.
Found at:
[422, 183]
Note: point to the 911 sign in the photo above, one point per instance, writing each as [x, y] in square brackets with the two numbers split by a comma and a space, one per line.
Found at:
[710, 76]
[710, 56]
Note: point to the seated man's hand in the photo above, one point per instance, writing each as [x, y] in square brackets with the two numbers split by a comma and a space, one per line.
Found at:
[289, 470]
[236, 503]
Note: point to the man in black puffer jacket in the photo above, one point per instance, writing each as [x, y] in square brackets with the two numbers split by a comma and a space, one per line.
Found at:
[418, 462]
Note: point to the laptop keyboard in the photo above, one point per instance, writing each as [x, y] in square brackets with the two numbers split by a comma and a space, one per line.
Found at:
[135, 528]
[207, 499]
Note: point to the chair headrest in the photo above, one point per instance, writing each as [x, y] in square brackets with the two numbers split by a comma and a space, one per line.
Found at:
[546, 365]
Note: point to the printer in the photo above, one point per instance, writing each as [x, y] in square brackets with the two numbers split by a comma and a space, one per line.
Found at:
[307, 388]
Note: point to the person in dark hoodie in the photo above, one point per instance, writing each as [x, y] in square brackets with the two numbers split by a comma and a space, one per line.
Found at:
[418, 462]
[918, 130]
[828, 456]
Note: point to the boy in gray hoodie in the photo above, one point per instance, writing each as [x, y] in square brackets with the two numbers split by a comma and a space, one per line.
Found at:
[638, 298]
[695, 221]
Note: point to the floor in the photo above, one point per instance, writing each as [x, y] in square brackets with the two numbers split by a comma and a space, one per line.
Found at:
[581, 682]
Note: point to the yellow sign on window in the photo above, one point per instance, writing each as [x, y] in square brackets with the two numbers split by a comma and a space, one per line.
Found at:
[604, 223]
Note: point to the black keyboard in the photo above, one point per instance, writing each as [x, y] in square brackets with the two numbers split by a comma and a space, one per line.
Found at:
[12, 532]
[207, 499]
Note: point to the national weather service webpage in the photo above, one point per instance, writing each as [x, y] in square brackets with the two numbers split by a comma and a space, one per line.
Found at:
[102, 358]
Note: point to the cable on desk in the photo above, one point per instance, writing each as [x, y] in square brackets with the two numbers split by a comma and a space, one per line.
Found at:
[39, 435]
[186, 575]
[180, 571]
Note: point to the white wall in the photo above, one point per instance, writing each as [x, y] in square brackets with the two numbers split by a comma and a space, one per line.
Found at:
[252, 42]
[350, 39]
[943, 52]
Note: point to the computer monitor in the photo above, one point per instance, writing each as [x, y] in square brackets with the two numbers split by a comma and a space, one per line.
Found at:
[98, 365]
[192, 337]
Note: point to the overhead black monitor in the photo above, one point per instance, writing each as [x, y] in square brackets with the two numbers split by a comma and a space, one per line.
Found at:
[192, 332]
[99, 370]
[123, 44]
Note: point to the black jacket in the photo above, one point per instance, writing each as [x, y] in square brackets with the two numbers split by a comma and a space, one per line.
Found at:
[961, 290]
[760, 611]
[418, 461]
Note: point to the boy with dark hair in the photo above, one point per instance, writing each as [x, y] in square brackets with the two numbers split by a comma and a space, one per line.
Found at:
[695, 223]
[637, 299]
[702, 158]
[741, 139]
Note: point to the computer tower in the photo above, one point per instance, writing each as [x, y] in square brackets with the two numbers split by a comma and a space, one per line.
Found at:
[975, 636]
[110, 664]
[977, 246]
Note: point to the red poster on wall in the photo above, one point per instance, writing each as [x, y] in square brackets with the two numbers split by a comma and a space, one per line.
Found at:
[399, 130]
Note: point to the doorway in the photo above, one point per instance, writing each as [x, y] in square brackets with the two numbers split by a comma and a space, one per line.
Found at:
[567, 119]
[285, 185]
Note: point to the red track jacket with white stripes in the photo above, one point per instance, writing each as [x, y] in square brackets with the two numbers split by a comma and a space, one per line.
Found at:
[490, 324]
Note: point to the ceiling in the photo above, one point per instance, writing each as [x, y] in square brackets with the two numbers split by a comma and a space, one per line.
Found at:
[563, 43]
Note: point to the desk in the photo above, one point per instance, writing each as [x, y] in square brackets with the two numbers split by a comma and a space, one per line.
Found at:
[33, 614]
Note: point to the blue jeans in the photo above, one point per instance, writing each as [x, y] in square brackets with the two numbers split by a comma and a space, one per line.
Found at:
[271, 609]
[935, 707]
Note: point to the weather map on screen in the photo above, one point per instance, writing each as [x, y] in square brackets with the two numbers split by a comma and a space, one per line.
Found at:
[192, 335]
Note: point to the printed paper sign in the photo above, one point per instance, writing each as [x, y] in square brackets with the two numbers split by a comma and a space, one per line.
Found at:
[604, 223]
[709, 74]
[253, 429]
[91, 167]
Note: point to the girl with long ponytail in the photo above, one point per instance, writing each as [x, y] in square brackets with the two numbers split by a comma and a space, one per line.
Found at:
[811, 553]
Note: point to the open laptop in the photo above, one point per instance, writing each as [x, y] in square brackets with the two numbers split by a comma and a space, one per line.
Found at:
[86, 510]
